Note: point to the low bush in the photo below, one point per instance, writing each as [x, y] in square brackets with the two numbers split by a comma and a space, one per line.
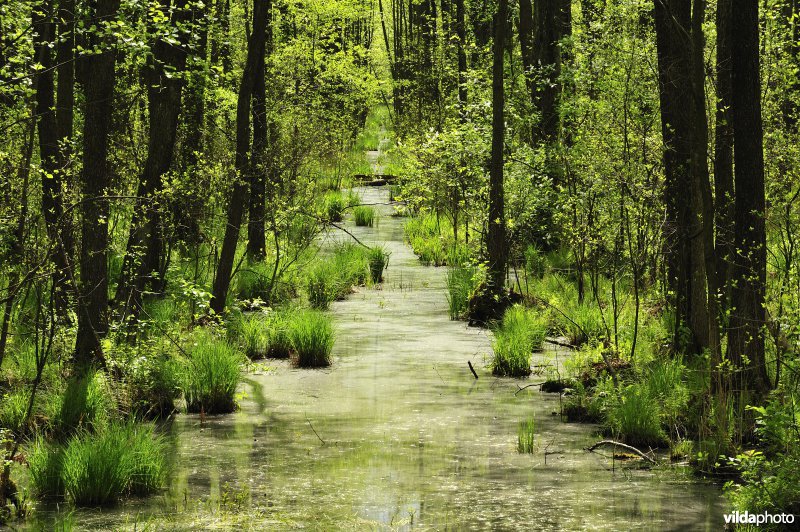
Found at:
[211, 375]
[311, 336]
[364, 216]
[520, 333]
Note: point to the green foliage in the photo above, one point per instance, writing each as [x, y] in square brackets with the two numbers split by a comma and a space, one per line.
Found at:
[364, 216]
[353, 198]
[333, 279]
[254, 281]
[535, 263]
[432, 240]
[520, 333]
[211, 375]
[45, 465]
[149, 377]
[311, 335]
[13, 407]
[251, 330]
[526, 436]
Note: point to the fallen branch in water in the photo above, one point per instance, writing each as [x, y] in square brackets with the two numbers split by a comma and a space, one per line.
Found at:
[472, 369]
[560, 344]
[627, 447]
[520, 388]
[315, 431]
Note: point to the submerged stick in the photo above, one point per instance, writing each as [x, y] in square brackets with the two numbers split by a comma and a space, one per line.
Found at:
[625, 446]
[472, 369]
[315, 430]
[560, 344]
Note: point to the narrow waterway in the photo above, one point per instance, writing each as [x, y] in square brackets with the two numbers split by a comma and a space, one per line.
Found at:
[397, 434]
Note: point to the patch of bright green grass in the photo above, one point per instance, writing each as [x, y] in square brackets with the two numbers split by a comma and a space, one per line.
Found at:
[526, 436]
[364, 216]
[311, 335]
[520, 333]
[211, 375]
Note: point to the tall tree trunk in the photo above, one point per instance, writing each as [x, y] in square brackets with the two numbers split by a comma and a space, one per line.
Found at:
[496, 239]
[461, 34]
[526, 43]
[256, 236]
[44, 37]
[98, 78]
[255, 46]
[723, 150]
[144, 253]
[748, 275]
[683, 252]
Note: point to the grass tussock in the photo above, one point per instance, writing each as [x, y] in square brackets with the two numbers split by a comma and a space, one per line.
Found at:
[526, 436]
[520, 333]
[432, 240]
[311, 336]
[333, 205]
[211, 375]
[378, 259]
[333, 279]
[461, 284]
[364, 216]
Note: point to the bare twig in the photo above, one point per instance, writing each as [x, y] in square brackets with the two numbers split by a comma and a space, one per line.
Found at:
[627, 447]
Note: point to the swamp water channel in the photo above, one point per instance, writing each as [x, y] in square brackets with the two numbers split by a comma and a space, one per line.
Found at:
[397, 434]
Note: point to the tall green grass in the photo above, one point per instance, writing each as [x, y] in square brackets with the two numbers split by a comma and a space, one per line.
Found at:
[311, 336]
[333, 206]
[254, 281]
[333, 279]
[262, 334]
[364, 216]
[87, 403]
[461, 284]
[211, 375]
[432, 240]
[526, 436]
[378, 259]
[520, 333]
[97, 469]
[636, 417]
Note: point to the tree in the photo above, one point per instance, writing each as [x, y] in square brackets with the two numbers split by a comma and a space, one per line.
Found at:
[497, 247]
[98, 78]
[749, 269]
[236, 205]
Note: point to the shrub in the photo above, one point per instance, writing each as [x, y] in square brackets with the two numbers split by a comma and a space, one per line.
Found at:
[519, 334]
[378, 258]
[364, 216]
[526, 437]
[311, 336]
[333, 206]
[461, 284]
[254, 281]
[636, 418]
[211, 375]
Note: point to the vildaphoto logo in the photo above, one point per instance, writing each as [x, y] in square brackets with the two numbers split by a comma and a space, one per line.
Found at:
[765, 518]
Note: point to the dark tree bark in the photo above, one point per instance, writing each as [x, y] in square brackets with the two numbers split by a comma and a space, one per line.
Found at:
[461, 34]
[44, 36]
[98, 78]
[748, 274]
[236, 206]
[256, 235]
[723, 149]
[496, 244]
[187, 211]
[144, 254]
[551, 20]
[678, 120]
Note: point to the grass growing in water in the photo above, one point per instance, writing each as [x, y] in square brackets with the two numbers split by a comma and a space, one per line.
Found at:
[526, 436]
[85, 404]
[311, 336]
[520, 333]
[461, 283]
[636, 417]
[96, 469]
[211, 375]
[378, 258]
[432, 240]
[333, 279]
[364, 216]
[333, 206]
